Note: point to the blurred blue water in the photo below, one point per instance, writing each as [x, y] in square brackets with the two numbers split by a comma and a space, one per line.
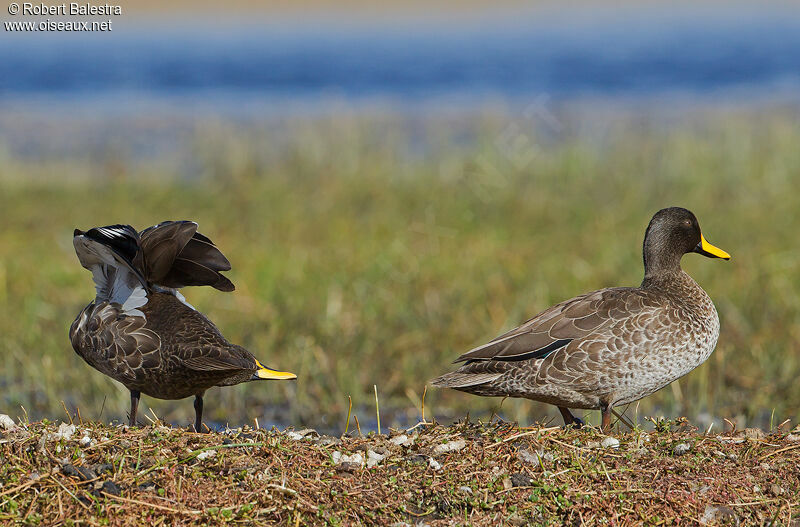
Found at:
[630, 52]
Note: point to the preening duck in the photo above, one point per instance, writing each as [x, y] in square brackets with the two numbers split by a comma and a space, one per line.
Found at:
[608, 347]
[139, 330]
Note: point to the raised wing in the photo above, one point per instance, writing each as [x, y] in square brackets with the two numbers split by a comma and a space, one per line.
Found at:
[161, 244]
[176, 255]
[111, 253]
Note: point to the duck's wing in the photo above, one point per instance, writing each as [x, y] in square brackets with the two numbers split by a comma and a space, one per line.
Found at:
[572, 334]
[114, 343]
[196, 343]
[176, 255]
[581, 318]
[112, 254]
[161, 244]
[210, 358]
[236, 367]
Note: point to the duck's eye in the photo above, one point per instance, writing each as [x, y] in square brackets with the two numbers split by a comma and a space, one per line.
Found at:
[687, 223]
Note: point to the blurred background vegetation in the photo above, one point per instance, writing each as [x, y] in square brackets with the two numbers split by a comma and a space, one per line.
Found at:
[375, 234]
[357, 263]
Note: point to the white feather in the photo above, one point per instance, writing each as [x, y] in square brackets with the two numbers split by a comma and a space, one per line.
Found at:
[182, 298]
[111, 233]
[114, 280]
[137, 298]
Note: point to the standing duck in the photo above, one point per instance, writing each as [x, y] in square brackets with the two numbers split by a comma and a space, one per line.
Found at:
[139, 330]
[608, 347]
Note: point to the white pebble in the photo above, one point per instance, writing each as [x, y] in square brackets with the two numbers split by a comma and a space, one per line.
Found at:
[451, 446]
[610, 442]
[435, 465]
[339, 458]
[302, 434]
[373, 458]
[401, 440]
[64, 431]
[86, 441]
[6, 423]
[206, 455]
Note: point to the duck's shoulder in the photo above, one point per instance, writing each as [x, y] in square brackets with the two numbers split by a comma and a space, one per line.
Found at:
[615, 303]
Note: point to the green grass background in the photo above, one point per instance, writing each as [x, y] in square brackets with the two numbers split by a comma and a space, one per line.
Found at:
[362, 259]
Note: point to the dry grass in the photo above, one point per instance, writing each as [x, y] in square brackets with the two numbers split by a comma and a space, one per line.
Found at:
[467, 474]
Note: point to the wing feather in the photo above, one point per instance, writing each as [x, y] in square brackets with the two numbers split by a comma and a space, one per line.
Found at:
[161, 244]
[114, 343]
[179, 256]
[206, 363]
[557, 327]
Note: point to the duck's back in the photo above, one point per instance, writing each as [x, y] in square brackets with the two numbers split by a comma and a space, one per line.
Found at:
[179, 326]
[195, 353]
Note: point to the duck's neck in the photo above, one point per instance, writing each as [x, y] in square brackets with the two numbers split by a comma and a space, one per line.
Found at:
[662, 266]
[660, 258]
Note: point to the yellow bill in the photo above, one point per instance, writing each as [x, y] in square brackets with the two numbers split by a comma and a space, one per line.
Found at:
[706, 249]
[269, 374]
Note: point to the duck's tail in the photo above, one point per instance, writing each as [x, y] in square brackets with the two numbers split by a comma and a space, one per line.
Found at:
[458, 380]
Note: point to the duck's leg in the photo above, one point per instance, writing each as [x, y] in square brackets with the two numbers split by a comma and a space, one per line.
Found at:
[198, 412]
[135, 394]
[570, 419]
[605, 410]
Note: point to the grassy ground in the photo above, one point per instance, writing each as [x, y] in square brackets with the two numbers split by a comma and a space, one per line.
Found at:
[362, 258]
[468, 474]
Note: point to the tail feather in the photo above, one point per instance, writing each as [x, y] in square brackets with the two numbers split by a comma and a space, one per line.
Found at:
[463, 380]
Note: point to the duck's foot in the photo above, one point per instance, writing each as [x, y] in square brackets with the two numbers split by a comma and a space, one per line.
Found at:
[569, 419]
[198, 413]
[606, 410]
[135, 395]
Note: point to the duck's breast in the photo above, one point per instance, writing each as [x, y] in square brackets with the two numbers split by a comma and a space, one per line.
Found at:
[670, 343]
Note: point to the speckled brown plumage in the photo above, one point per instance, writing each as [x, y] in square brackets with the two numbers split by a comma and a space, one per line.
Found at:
[173, 353]
[607, 347]
[139, 330]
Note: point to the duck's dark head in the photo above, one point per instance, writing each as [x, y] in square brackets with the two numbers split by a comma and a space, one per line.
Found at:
[672, 233]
